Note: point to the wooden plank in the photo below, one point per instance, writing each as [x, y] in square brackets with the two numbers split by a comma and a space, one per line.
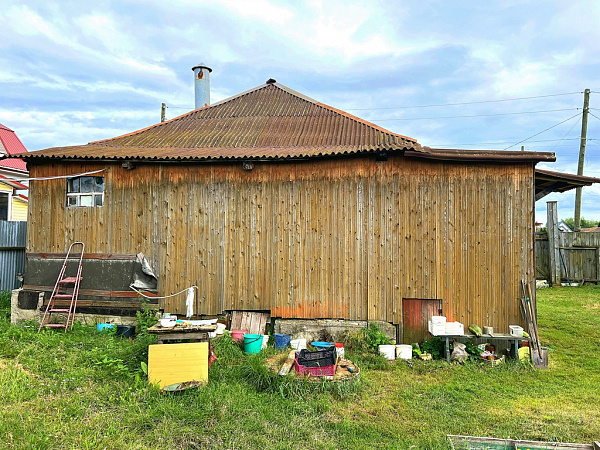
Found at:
[475, 443]
[99, 304]
[94, 292]
[287, 365]
[236, 320]
[110, 256]
[177, 363]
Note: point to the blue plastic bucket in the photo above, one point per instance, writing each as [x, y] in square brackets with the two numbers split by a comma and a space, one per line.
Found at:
[282, 341]
[253, 343]
[322, 345]
[104, 326]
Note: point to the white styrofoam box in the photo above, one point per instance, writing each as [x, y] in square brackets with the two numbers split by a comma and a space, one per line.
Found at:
[455, 328]
[437, 330]
[516, 330]
[437, 319]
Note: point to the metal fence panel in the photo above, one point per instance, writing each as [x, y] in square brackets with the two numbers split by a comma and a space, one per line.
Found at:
[12, 253]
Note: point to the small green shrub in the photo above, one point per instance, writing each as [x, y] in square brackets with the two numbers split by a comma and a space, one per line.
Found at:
[5, 304]
[366, 340]
[434, 346]
[146, 317]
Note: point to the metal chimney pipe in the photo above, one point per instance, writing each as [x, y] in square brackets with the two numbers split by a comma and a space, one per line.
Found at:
[202, 85]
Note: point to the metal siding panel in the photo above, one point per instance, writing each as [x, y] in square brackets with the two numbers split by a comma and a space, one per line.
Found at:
[12, 253]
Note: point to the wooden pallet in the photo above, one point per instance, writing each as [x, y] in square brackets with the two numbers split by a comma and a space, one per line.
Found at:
[249, 321]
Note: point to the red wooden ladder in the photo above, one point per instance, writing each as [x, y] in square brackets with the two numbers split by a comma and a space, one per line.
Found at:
[64, 284]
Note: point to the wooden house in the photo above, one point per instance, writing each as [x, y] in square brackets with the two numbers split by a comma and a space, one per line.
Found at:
[272, 201]
[13, 193]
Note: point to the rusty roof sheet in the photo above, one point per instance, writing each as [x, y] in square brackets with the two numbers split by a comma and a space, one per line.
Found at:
[267, 122]
[449, 154]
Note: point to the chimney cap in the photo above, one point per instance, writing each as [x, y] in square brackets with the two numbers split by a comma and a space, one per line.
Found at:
[202, 66]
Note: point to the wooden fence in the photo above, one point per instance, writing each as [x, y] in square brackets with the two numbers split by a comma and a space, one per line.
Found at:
[566, 257]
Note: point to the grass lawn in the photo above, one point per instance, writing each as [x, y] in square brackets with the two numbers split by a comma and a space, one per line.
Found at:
[86, 390]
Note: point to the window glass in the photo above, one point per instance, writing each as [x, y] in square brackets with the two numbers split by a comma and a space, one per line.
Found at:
[74, 185]
[85, 191]
[86, 200]
[87, 184]
[3, 206]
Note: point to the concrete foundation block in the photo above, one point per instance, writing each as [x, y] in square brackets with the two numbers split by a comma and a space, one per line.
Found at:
[311, 329]
[19, 314]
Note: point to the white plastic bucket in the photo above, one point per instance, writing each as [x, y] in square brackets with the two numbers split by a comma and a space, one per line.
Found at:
[265, 341]
[389, 351]
[220, 328]
[404, 351]
[298, 344]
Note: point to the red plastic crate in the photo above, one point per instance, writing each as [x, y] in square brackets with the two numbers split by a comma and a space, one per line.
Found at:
[315, 371]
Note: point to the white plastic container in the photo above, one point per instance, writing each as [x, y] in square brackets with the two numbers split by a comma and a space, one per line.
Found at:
[220, 328]
[404, 351]
[298, 344]
[265, 341]
[516, 330]
[389, 351]
[437, 319]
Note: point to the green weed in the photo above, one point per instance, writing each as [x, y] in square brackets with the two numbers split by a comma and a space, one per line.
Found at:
[57, 392]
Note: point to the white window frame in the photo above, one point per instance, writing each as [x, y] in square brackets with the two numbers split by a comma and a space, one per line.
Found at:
[74, 199]
[9, 205]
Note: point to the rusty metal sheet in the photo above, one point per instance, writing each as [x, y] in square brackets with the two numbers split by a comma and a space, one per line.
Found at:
[271, 121]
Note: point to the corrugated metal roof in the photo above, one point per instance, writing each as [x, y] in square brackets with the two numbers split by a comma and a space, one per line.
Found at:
[450, 154]
[267, 122]
[11, 144]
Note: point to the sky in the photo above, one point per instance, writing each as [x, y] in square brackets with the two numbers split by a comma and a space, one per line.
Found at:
[460, 74]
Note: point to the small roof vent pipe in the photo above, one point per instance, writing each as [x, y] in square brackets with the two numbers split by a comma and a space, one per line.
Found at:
[202, 85]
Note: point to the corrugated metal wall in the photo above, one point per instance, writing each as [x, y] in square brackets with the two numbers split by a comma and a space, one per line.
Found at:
[341, 238]
[12, 253]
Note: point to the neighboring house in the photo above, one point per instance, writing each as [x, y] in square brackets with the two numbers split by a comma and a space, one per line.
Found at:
[272, 201]
[13, 206]
[13, 192]
[562, 226]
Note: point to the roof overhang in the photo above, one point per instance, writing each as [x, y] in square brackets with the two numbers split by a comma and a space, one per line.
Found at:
[547, 181]
[499, 156]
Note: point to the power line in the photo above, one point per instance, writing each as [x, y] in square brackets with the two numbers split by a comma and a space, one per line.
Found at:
[464, 103]
[567, 133]
[474, 115]
[543, 131]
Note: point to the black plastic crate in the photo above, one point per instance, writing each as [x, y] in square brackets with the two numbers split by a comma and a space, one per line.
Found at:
[320, 358]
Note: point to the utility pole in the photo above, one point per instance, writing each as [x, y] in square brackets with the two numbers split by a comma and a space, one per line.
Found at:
[584, 122]
[163, 109]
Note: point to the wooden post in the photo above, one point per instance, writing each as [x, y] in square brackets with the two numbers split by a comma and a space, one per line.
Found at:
[584, 122]
[597, 265]
[553, 243]
[163, 109]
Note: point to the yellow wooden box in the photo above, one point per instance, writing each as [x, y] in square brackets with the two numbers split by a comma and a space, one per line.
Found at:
[177, 363]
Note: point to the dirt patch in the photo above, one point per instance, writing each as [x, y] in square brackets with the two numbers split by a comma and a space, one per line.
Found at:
[345, 370]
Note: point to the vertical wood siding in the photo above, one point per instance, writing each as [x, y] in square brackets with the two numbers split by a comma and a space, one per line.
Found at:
[325, 239]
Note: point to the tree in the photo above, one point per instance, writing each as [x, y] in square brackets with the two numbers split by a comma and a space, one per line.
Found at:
[583, 223]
